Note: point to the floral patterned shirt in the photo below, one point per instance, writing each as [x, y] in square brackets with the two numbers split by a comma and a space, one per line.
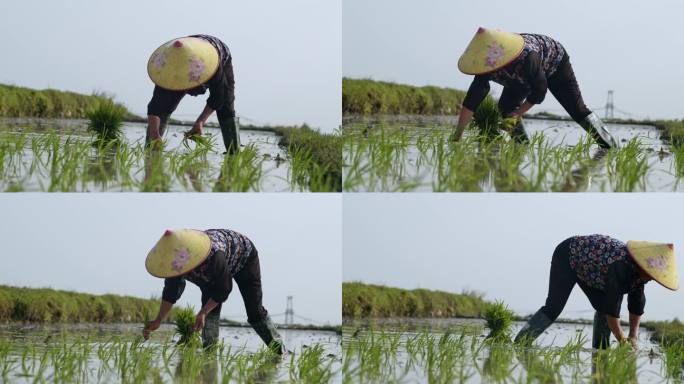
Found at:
[229, 252]
[606, 272]
[539, 60]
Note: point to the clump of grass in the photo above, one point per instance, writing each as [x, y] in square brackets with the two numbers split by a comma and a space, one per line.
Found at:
[185, 327]
[106, 120]
[488, 118]
[499, 319]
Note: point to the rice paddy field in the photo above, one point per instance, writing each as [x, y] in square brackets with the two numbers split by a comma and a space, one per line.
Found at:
[108, 353]
[59, 155]
[414, 154]
[457, 351]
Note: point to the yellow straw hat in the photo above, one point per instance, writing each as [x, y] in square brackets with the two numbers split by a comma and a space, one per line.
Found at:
[657, 260]
[490, 50]
[178, 252]
[183, 63]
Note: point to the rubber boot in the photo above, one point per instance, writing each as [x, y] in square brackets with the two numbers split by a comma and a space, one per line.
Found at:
[210, 332]
[534, 327]
[601, 335]
[518, 133]
[268, 333]
[230, 130]
[162, 129]
[599, 131]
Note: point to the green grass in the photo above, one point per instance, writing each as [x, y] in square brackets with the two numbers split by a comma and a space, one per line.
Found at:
[499, 320]
[365, 97]
[361, 300]
[666, 332]
[454, 356]
[70, 359]
[45, 305]
[49, 103]
[106, 120]
[391, 157]
[316, 158]
[184, 319]
[487, 118]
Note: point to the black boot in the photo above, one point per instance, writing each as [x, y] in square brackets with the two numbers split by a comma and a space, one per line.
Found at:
[268, 333]
[598, 130]
[601, 335]
[210, 332]
[534, 327]
[230, 130]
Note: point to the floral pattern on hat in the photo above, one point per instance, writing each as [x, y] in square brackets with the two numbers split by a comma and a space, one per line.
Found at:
[494, 54]
[159, 60]
[180, 258]
[197, 67]
[658, 263]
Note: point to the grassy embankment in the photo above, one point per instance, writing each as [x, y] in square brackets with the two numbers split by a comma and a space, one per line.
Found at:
[315, 156]
[45, 305]
[667, 332]
[361, 300]
[366, 97]
[49, 103]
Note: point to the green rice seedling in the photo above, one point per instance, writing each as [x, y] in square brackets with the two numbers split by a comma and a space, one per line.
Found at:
[487, 118]
[627, 167]
[312, 366]
[498, 366]
[499, 319]
[240, 172]
[185, 327]
[105, 121]
[674, 360]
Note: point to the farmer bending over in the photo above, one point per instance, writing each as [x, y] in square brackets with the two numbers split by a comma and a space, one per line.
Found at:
[605, 269]
[210, 259]
[527, 65]
[191, 65]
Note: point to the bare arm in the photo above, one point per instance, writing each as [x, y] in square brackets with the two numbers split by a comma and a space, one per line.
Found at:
[463, 120]
[164, 309]
[202, 315]
[153, 123]
[526, 106]
[614, 325]
[634, 321]
[199, 123]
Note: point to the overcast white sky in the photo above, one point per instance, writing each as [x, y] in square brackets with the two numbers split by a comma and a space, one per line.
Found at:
[286, 54]
[98, 243]
[632, 47]
[500, 244]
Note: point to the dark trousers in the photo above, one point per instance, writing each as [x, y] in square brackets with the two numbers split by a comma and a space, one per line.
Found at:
[562, 280]
[249, 282]
[562, 84]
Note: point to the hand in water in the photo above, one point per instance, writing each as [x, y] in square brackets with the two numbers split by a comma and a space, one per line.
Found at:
[151, 327]
[195, 131]
[199, 321]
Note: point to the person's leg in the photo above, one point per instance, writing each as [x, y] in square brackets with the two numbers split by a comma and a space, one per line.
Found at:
[509, 102]
[210, 332]
[601, 334]
[229, 129]
[564, 87]
[249, 283]
[561, 281]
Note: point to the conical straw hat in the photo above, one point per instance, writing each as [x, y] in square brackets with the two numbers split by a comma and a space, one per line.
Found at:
[178, 252]
[183, 63]
[490, 50]
[657, 260]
